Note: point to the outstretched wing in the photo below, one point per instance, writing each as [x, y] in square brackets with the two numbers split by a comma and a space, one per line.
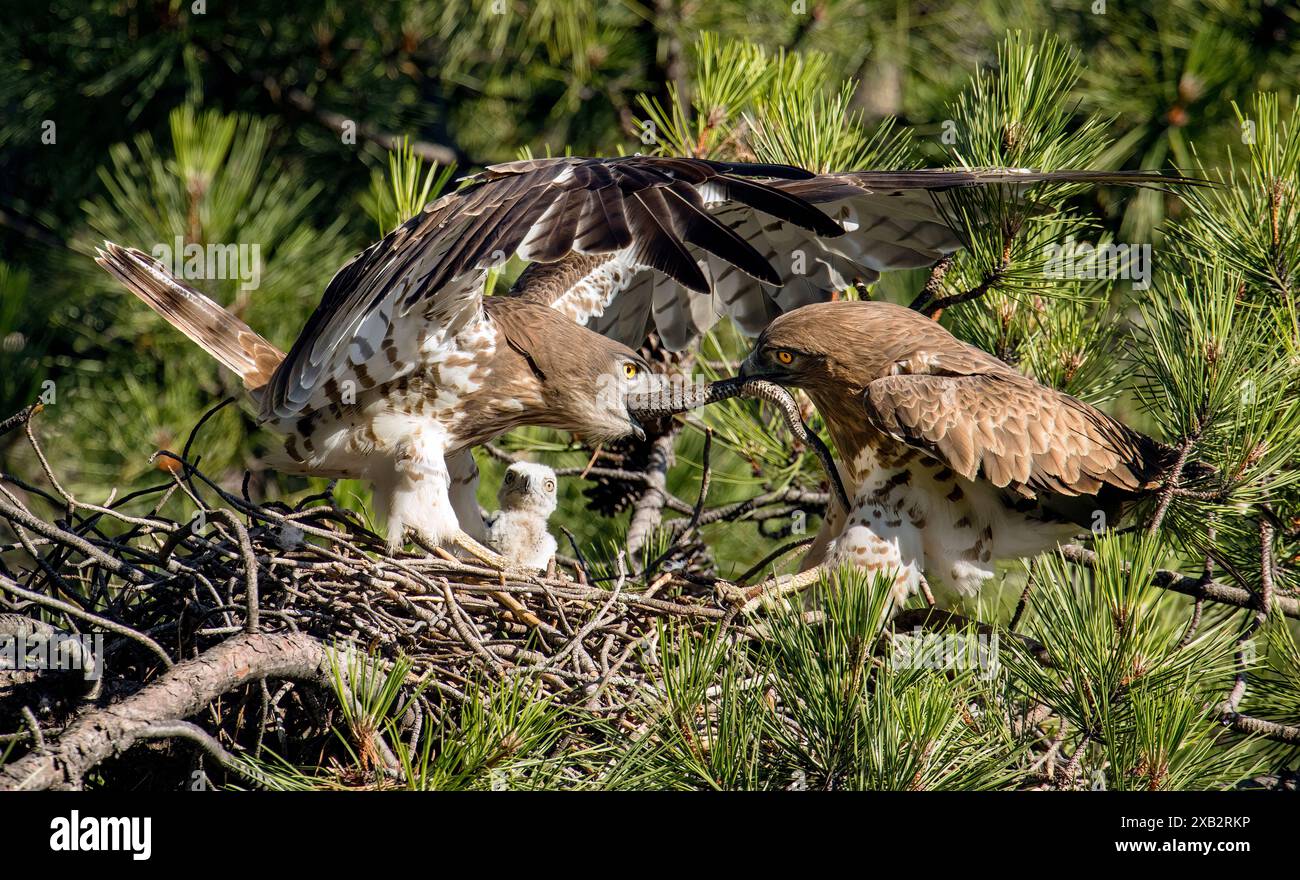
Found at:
[411, 292]
[893, 220]
[1015, 433]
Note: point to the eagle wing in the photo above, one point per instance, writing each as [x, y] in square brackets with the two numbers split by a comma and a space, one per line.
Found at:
[893, 220]
[1013, 432]
[415, 289]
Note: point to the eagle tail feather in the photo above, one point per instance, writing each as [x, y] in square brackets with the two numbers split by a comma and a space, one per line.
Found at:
[214, 329]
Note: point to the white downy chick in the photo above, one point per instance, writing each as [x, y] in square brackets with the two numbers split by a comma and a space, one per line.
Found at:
[527, 499]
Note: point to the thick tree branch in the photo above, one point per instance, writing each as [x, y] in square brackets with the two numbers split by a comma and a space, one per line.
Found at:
[179, 693]
[647, 512]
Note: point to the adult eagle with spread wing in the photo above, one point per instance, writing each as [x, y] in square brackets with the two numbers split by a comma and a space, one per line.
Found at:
[405, 365]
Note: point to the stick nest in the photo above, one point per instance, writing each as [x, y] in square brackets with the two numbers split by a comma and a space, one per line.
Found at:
[164, 593]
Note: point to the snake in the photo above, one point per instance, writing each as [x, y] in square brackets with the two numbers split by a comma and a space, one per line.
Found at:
[677, 399]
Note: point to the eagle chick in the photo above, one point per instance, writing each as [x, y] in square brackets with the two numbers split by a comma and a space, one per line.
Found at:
[518, 530]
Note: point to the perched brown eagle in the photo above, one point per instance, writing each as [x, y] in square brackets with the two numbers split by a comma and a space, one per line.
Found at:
[951, 459]
[405, 364]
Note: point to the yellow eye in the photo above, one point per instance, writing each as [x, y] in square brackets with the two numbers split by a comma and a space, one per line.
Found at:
[784, 357]
[630, 370]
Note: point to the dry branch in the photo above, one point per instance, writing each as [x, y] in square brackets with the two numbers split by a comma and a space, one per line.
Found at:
[179, 693]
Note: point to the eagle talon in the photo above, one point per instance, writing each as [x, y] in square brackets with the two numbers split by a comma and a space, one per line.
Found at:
[750, 599]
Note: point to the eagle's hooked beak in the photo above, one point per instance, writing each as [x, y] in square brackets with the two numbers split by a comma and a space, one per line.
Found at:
[637, 430]
[750, 368]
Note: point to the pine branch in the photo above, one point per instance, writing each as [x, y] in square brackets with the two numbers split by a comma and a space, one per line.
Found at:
[1196, 587]
[933, 308]
[22, 417]
[1252, 726]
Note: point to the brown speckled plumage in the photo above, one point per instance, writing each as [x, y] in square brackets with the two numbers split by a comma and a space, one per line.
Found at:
[405, 363]
[954, 456]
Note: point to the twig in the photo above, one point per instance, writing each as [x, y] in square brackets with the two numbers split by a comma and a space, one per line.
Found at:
[19, 418]
[684, 535]
[73, 611]
[1196, 587]
[200, 737]
[1171, 485]
[774, 555]
[250, 568]
[1238, 691]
